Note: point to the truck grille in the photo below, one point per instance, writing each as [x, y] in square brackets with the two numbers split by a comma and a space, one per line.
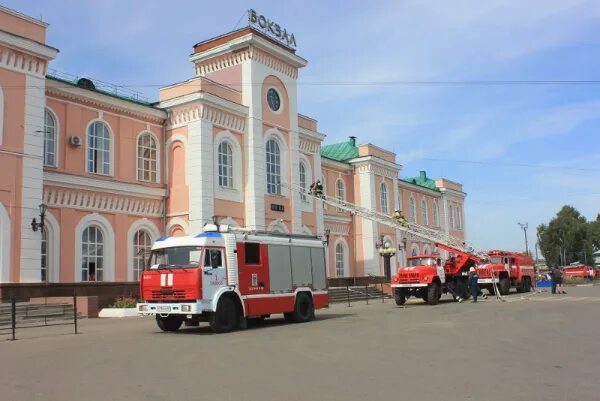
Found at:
[408, 277]
[168, 294]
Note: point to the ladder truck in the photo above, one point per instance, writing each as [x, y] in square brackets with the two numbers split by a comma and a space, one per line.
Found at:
[425, 277]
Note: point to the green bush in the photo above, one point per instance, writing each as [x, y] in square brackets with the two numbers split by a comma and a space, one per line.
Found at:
[124, 302]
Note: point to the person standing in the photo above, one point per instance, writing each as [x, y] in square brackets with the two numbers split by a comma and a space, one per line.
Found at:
[556, 280]
[473, 283]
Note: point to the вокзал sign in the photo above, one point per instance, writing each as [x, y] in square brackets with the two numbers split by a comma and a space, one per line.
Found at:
[271, 28]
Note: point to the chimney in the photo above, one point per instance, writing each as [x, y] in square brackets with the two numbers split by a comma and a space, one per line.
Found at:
[353, 140]
[422, 175]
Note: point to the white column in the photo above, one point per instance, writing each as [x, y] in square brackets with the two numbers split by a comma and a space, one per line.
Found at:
[366, 179]
[294, 157]
[33, 159]
[256, 177]
[200, 167]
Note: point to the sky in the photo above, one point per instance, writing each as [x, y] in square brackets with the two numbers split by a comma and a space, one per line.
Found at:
[412, 77]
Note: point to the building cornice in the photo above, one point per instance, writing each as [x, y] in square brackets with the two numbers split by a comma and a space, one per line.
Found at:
[312, 134]
[28, 45]
[97, 184]
[72, 92]
[417, 188]
[325, 162]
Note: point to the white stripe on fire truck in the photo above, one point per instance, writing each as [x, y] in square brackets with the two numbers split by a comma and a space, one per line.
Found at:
[170, 279]
[163, 279]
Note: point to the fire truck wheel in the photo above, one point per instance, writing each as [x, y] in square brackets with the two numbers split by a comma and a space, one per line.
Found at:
[399, 297]
[434, 293]
[526, 284]
[225, 319]
[504, 286]
[304, 309]
[169, 323]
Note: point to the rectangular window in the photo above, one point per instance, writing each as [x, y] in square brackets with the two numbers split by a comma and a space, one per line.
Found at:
[252, 252]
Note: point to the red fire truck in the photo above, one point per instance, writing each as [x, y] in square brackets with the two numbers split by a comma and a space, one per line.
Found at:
[226, 277]
[581, 271]
[425, 277]
[506, 270]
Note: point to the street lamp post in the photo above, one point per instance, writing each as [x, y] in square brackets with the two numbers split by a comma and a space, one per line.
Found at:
[386, 250]
[524, 226]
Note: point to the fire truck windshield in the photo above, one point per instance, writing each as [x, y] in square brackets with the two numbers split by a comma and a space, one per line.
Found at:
[175, 257]
[496, 259]
[421, 262]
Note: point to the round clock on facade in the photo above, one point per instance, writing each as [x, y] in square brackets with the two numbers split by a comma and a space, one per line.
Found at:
[273, 99]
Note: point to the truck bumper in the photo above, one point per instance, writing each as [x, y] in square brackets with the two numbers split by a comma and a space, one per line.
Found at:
[168, 308]
[486, 280]
[409, 285]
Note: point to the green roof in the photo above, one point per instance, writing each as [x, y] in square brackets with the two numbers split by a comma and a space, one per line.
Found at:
[340, 152]
[423, 181]
[89, 85]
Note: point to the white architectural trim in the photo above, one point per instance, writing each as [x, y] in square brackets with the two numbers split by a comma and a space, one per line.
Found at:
[5, 230]
[284, 150]
[306, 205]
[30, 46]
[32, 184]
[235, 193]
[158, 152]
[424, 222]
[177, 221]
[98, 184]
[111, 172]
[200, 164]
[205, 97]
[56, 136]
[52, 248]
[342, 241]
[278, 226]
[108, 235]
[306, 230]
[142, 224]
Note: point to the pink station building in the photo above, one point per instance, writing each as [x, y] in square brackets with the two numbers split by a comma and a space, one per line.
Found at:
[116, 173]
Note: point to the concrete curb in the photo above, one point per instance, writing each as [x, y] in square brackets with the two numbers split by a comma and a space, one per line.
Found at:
[118, 312]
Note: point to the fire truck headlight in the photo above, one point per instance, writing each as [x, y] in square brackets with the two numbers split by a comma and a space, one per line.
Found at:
[186, 308]
[143, 308]
[425, 278]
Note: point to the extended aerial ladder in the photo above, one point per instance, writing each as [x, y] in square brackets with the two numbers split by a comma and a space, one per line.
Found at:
[435, 236]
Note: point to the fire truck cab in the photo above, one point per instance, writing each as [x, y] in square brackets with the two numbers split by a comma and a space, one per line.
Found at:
[226, 277]
[428, 278]
[507, 270]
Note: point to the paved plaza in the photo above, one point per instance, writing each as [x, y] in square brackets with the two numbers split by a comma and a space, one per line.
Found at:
[532, 347]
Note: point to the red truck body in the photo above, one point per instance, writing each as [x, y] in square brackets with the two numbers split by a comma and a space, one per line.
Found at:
[427, 278]
[505, 270]
[579, 271]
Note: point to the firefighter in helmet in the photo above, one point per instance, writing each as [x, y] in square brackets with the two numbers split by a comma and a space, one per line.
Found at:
[399, 217]
[316, 189]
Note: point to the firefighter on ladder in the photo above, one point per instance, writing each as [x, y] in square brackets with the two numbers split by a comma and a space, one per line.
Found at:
[400, 218]
[316, 189]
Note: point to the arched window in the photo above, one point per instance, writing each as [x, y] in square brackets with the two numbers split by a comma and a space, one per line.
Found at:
[415, 250]
[147, 165]
[141, 247]
[98, 148]
[424, 219]
[225, 165]
[340, 260]
[340, 192]
[92, 254]
[44, 255]
[384, 199]
[273, 168]
[412, 210]
[302, 169]
[436, 215]
[49, 139]
[451, 216]
[426, 250]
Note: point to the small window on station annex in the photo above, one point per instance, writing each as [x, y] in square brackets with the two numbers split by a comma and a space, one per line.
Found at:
[252, 252]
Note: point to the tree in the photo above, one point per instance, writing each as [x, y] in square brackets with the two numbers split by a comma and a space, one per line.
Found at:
[568, 237]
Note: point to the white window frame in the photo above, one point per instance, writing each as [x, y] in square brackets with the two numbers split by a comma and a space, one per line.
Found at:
[384, 202]
[49, 112]
[302, 180]
[138, 225]
[110, 150]
[5, 242]
[139, 156]
[426, 249]
[345, 258]
[109, 245]
[340, 192]
[412, 209]
[424, 214]
[235, 192]
[273, 166]
[275, 134]
[225, 165]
